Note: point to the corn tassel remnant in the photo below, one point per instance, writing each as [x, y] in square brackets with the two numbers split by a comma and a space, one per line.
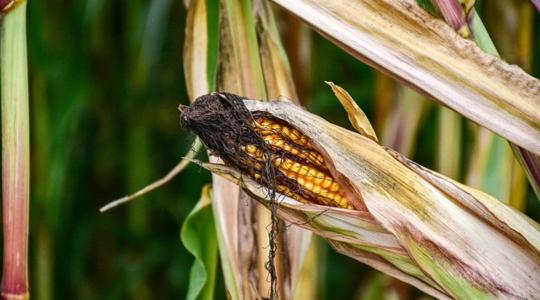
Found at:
[266, 148]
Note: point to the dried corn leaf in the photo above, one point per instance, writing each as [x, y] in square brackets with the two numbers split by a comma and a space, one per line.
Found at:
[357, 117]
[401, 39]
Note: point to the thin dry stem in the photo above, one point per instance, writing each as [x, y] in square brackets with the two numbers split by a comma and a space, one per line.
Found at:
[156, 184]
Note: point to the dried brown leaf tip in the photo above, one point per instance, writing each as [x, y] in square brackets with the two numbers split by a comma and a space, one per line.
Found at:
[266, 148]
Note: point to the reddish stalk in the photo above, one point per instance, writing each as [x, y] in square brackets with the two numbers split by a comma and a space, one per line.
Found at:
[536, 3]
[454, 14]
[15, 151]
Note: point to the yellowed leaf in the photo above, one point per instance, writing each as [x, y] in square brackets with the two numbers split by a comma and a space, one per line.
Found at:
[357, 117]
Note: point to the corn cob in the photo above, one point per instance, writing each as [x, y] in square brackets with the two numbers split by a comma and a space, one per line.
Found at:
[303, 174]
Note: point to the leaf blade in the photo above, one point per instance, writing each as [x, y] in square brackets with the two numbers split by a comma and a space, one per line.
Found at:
[198, 235]
[400, 38]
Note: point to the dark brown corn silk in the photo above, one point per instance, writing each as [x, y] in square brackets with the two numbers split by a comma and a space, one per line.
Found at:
[268, 149]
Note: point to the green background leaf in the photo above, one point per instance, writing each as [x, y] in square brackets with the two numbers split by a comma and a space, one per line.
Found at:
[199, 237]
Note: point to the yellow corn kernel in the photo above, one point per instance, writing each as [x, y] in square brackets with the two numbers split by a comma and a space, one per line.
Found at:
[334, 187]
[296, 167]
[303, 170]
[312, 178]
[327, 182]
[318, 181]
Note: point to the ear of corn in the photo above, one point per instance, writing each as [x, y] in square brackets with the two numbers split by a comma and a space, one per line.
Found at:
[450, 240]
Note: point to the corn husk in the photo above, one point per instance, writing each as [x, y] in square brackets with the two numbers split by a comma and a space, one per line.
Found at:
[447, 239]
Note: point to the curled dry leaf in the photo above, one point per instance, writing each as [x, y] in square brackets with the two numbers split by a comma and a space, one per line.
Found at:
[357, 117]
[445, 238]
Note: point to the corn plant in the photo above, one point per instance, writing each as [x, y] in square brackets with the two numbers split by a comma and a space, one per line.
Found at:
[395, 201]
[367, 201]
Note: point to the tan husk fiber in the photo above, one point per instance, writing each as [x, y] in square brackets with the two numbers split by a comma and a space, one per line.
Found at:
[445, 238]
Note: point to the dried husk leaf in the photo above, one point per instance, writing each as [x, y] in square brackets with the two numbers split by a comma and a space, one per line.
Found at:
[196, 50]
[353, 233]
[357, 117]
[421, 227]
[275, 63]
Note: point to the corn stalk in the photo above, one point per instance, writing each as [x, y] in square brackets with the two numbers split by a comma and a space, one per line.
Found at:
[15, 150]
[404, 121]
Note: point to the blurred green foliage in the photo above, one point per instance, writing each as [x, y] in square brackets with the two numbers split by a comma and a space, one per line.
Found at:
[105, 81]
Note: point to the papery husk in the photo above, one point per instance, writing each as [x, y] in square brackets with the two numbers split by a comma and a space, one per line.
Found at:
[447, 239]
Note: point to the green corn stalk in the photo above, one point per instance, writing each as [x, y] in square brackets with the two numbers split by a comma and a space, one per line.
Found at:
[15, 150]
